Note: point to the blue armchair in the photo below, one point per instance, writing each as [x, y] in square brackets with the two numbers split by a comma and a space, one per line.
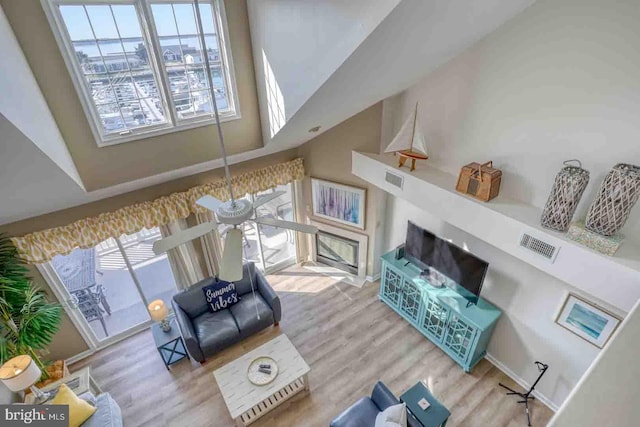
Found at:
[363, 413]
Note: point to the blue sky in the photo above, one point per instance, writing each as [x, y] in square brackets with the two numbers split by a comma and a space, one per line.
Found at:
[126, 20]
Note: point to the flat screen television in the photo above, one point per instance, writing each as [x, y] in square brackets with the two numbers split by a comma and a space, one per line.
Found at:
[426, 250]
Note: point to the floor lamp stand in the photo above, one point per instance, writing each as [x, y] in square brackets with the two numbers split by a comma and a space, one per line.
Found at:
[542, 368]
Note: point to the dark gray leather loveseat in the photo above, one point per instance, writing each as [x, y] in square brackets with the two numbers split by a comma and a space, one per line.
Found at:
[206, 333]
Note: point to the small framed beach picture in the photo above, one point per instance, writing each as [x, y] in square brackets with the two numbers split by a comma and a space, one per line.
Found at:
[338, 202]
[588, 321]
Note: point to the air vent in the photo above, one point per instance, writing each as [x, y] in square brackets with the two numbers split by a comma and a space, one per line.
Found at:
[539, 247]
[393, 179]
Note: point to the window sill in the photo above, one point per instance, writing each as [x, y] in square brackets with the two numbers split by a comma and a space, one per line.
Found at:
[167, 129]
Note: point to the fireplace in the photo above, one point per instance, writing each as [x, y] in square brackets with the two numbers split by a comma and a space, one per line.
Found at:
[337, 251]
[340, 248]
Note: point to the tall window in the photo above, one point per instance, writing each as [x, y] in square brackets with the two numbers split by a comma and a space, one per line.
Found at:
[138, 65]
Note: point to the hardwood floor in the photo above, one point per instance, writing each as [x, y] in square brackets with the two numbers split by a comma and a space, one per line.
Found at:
[348, 337]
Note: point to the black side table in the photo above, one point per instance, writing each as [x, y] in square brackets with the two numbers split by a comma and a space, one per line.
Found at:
[169, 344]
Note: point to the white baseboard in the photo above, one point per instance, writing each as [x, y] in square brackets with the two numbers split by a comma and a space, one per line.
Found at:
[373, 278]
[522, 383]
[78, 357]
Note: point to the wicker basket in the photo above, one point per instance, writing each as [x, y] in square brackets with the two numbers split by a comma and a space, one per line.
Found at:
[617, 195]
[565, 196]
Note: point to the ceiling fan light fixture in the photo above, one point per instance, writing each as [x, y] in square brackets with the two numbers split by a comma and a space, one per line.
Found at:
[234, 212]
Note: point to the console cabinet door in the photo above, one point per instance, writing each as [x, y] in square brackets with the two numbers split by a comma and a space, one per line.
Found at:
[434, 319]
[392, 282]
[459, 337]
[410, 303]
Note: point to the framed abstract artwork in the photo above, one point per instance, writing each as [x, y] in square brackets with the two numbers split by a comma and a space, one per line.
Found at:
[338, 202]
[587, 320]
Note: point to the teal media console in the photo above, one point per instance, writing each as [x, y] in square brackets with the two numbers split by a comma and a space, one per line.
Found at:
[463, 331]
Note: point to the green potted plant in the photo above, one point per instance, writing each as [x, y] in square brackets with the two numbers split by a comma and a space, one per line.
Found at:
[28, 321]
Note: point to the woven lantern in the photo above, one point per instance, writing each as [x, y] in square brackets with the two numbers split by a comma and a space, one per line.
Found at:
[617, 195]
[565, 196]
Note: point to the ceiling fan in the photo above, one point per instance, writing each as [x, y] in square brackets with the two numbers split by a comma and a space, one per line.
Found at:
[233, 212]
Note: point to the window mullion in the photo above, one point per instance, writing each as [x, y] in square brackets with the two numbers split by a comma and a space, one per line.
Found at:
[106, 69]
[153, 41]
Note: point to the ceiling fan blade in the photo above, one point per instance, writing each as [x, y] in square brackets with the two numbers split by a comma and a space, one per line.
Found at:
[176, 239]
[304, 228]
[231, 266]
[267, 198]
[209, 202]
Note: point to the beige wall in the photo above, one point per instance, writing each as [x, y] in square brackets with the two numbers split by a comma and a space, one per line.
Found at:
[106, 166]
[68, 342]
[328, 156]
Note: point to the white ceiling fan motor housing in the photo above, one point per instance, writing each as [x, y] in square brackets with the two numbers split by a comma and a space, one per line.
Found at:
[234, 212]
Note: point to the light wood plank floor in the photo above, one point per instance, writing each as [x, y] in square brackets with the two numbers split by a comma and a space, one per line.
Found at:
[348, 337]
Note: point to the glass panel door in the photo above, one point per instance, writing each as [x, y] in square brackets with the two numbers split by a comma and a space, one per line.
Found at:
[152, 271]
[112, 284]
[102, 289]
[278, 244]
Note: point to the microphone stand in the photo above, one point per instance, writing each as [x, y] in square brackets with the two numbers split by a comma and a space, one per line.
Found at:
[542, 368]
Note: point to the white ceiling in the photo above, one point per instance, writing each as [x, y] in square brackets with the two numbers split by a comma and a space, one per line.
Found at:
[382, 51]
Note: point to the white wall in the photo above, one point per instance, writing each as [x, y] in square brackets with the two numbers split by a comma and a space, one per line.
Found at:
[559, 81]
[529, 298]
[608, 393]
[22, 103]
[298, 44]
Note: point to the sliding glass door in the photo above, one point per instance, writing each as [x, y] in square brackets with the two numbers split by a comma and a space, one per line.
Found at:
[109, 286]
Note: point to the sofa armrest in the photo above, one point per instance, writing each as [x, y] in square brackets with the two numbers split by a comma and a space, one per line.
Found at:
[269, 295]
[188, 334]
[108, 413]
[382, 396]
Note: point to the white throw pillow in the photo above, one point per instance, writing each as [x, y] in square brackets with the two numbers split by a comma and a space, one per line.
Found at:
[393, 416]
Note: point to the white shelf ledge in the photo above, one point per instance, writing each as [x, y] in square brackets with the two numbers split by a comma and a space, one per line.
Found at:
[501, 222]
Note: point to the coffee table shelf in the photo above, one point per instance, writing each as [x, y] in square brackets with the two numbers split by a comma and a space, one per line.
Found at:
[248, 402]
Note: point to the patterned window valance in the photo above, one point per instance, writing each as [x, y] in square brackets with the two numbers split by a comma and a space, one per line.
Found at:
[42, 246]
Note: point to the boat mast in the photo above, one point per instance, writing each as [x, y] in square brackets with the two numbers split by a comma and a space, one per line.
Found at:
[415, 121]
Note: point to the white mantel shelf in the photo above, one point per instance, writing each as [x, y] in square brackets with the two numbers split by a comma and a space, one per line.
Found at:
[501, 222]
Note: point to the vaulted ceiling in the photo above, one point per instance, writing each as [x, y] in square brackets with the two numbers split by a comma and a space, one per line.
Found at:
[316, 64]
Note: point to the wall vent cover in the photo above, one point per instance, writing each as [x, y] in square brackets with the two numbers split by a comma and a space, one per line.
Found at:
[393, 179]
[539, 247]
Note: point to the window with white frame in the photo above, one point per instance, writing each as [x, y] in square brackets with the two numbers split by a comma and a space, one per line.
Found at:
[139, 67]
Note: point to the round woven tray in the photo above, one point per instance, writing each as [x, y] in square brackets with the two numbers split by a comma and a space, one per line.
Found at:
[259, 378]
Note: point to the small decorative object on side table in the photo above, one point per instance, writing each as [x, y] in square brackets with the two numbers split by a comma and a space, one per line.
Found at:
[158, 311]
[79, 382]
[436, 415]
[169, 343]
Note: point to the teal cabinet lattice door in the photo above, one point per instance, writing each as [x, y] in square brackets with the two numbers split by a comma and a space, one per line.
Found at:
[459, 337]
[410, 303]
[434, 319]
[392, 286]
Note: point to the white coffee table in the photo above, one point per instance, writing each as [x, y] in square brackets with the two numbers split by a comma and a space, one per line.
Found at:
[247, 402]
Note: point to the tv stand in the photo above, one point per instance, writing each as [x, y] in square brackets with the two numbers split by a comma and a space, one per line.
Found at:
[459, 327]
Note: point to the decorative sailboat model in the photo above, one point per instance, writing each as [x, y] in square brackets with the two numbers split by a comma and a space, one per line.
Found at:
[409, 143]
